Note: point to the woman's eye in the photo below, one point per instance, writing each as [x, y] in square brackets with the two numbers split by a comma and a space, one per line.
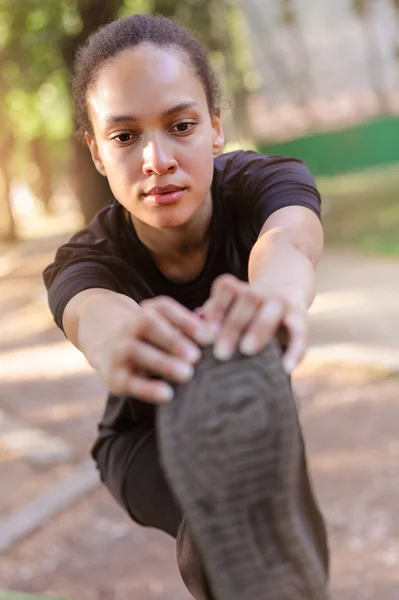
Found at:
[123, 137]
[183, 127]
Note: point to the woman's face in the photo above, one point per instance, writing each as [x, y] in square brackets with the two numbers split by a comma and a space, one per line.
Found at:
[154, 138]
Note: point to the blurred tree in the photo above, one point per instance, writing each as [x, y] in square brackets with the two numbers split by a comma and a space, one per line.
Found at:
[27, 64]
[286, 59]
[38, 42]
[227, 40]
[303, 80]
[7, 223]
[91, 188]
[220, 26]
[40, 157]
[373, 56]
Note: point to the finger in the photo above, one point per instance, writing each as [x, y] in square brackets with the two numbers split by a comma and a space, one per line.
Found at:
[213, 327]
[223, 293]
[262, 328]
[154, 361]
[238, 318]
[186, 321]
[142, 388]
[159, 332]
[297, 333]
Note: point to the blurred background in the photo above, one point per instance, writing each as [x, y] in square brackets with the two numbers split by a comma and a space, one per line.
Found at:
[313, 79]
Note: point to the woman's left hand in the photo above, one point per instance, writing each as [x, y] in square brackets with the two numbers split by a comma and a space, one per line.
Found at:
[247, 318]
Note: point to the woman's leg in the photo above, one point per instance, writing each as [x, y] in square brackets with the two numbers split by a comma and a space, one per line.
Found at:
[129, 467]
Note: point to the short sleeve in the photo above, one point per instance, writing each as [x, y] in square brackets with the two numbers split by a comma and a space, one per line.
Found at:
[88, 260]
[265, 184]
[64, 283]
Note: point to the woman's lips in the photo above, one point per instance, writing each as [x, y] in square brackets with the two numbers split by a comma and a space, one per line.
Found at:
[165, 197]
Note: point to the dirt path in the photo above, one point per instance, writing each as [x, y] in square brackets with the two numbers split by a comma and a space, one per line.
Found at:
[357, 300]
[350, 416]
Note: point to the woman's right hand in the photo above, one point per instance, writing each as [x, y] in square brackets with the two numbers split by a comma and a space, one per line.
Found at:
[162, 339]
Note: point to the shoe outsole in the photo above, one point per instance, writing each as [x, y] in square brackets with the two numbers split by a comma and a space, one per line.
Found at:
[230, 447]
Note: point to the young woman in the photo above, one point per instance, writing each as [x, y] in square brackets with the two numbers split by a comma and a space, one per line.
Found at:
[196, 249]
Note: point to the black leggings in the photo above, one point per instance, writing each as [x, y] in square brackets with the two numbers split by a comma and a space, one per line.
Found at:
[129, 467]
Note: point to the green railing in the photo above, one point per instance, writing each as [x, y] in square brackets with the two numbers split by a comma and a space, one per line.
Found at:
[354, 149]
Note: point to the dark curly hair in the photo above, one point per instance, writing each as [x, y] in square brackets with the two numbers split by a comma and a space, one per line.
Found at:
[129, 32]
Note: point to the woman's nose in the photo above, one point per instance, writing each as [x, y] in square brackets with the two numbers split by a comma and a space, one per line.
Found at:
[158, 158]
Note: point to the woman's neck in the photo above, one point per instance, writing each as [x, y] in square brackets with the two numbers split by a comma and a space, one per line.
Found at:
[169, 243]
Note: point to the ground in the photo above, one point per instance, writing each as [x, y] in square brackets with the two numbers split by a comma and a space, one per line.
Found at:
[91, 551]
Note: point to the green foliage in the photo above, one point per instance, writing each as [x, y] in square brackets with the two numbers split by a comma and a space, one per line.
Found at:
[130, 7]
[38, 39]
[34, 78]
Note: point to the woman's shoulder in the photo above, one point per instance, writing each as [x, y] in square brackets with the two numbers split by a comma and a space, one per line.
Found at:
[234, 160]
[232, 165]
[243, 173]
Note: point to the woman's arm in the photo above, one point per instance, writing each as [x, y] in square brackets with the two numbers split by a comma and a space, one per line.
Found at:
[281, 288]
[282, 268]
[286, 253]
[92, 315]
[129, 343]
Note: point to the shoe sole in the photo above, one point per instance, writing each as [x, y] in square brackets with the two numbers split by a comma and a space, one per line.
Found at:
[230, 447]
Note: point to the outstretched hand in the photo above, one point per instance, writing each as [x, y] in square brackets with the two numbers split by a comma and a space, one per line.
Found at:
[162, 339]
[247, 318]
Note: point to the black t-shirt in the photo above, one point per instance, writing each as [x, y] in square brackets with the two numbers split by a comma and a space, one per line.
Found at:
[246, 189]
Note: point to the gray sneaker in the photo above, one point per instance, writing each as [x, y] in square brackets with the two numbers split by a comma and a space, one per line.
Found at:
[231, 447]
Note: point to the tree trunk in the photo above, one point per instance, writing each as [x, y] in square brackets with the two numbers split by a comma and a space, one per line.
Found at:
[40, 158]
[91, 188]
[236, 87]
[7, 222]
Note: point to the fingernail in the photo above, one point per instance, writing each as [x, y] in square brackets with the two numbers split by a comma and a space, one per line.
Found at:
[214, 327]
[248, 345]
[165, 393]
[206, 335]
[183, 371]
[223, 351]
[203, 335]
[192, 353]
[288, 366]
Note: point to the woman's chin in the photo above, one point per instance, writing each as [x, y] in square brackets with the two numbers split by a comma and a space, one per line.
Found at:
[168, 223]
[171, 220]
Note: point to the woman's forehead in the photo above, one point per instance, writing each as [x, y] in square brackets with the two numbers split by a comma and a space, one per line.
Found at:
[145, 80]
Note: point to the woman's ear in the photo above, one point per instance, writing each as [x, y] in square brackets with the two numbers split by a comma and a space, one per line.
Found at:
[95, 154]
[218, 134]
